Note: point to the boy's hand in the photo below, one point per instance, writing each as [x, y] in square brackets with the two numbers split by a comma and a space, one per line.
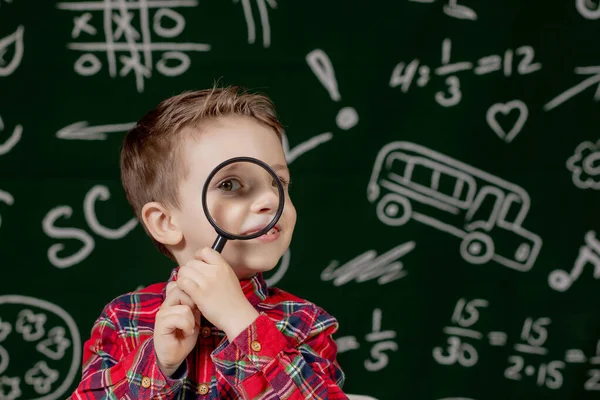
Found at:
[215, 289]
[176, 329]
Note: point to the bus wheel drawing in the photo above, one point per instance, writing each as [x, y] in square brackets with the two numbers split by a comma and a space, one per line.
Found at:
[394, 210]
[477, 248]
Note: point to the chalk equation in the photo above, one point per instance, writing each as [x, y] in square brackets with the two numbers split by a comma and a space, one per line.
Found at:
[129, 30]
[49, 341]
[382, 341]
[589, 253]
[263, 11]
[412, 182]
[96, 193]
[12, 43]
[529, 359]
[520, 61]
[386, 267]
[12, 139]
[455, 10]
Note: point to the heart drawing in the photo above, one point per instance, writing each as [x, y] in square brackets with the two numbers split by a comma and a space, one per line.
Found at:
[506, 109]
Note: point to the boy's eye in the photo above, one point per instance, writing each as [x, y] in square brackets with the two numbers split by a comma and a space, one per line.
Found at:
[229, 185]
[284, 182]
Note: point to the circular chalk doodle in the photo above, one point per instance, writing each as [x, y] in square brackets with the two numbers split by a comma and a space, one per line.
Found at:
[40, 349]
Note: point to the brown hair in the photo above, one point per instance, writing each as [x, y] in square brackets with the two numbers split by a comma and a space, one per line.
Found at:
[151, 156]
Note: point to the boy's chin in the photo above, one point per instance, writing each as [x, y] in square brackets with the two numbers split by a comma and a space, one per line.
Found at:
[254, 264]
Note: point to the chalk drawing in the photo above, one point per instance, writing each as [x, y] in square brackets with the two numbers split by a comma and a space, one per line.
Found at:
[6, 198]
[81, 131]
[97, 192]
[585, 165]
[320, 64]
[279, 272]
[594, 79]
[14, 385]
[506, 109]
[41, 377]
[455, 10]
[12, 140]
[561, 280]
[359, 397]
[13, 40]
[126, 47]
[410, 181]
[588, 9]
[263, 11]
[386, 268]
[49, 376]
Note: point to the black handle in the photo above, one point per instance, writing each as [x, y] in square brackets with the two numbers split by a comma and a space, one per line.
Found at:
[219, 243]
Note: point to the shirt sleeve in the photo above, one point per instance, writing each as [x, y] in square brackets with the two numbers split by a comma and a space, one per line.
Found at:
[111, 372]
[263, 360]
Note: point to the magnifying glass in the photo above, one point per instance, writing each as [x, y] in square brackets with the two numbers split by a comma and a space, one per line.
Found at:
[242, 199]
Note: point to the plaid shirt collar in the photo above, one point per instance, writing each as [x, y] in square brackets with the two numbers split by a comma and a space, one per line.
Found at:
[255, 288]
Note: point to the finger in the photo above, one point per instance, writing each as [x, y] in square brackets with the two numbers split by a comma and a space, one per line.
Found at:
[191, 278]
[209, 256]
[178, 296]
[177, 317]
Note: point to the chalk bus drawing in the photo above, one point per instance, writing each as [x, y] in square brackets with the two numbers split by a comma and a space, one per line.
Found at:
[586, 9]
[12, 140]
[43, 376]
[132, 48]
[15, 39]
[264, 19]
[410, 181]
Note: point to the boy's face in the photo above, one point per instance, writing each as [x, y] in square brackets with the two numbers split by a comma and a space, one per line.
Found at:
[228, 137]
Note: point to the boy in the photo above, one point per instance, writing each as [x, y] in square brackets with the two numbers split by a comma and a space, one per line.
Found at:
[214, 330]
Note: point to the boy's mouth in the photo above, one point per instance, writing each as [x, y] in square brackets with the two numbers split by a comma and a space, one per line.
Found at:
[275, 230]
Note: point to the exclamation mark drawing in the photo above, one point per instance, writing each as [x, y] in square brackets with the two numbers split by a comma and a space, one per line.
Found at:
[320, 64]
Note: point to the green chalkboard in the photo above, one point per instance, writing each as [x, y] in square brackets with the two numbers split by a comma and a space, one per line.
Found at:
[446, 167]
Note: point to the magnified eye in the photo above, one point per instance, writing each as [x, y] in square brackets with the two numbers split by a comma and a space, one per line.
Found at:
[230, 185]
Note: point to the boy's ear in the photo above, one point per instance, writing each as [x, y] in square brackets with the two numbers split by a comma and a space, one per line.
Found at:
[160, 223]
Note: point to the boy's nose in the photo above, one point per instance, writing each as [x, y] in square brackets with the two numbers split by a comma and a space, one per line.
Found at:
[266, 202]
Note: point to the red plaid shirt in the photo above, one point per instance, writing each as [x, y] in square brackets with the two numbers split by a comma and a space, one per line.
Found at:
[286, 353]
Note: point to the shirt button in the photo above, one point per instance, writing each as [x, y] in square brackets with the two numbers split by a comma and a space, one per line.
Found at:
[146, 382]
[206, 331]
[202, 388]
[255, 345]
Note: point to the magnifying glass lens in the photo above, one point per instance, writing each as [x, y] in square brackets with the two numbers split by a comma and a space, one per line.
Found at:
[242, 198]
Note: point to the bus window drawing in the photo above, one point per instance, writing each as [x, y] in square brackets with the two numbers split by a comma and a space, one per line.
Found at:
[410, 181]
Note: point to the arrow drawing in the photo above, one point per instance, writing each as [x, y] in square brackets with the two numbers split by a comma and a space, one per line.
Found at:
[575, 90]
[81, 131]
